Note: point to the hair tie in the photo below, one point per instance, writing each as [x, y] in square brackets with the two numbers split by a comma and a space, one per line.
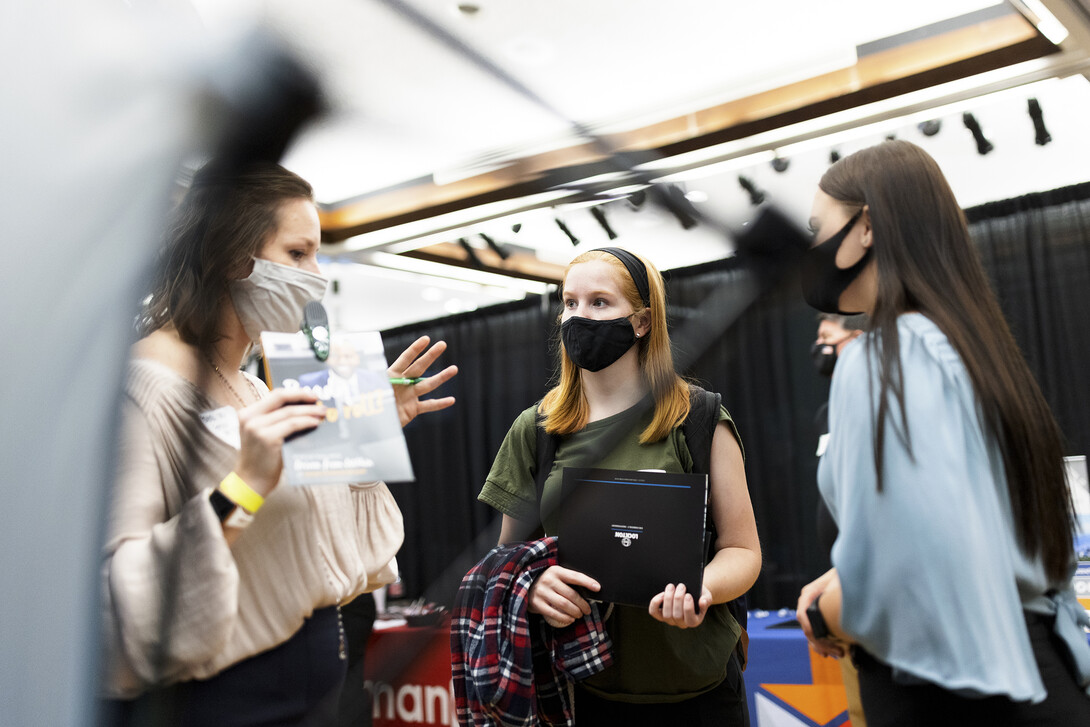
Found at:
[635, 268]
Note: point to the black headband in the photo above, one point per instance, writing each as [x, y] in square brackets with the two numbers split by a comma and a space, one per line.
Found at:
[636, 269]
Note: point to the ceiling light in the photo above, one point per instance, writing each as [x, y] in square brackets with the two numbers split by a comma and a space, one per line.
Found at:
[500, 250]
[673, 200]
[756, 196]
[930, 127]
[600, 216]
[983, 146]
[1042, 136]
[696, 195]
[564, 228]
[471, 254]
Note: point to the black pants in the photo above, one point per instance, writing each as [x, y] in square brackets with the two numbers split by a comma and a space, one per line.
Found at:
[296, 684]
[359, 620]
[890, 704]
[724, 706]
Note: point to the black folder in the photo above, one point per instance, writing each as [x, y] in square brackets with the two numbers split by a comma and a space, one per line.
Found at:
[633, 531]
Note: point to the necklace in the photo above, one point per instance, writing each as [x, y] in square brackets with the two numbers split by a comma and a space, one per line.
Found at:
[228, 384]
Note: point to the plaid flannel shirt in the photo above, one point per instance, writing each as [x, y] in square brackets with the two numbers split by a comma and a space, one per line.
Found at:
[510, 667]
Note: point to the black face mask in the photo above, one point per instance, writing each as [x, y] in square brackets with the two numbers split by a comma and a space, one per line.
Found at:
[824, 357]
[594, 344]
[822, 281]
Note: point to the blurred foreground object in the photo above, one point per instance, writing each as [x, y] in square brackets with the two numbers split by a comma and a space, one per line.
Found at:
[98, 119]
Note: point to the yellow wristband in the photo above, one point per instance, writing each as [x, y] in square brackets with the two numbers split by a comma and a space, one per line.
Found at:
[237, 491]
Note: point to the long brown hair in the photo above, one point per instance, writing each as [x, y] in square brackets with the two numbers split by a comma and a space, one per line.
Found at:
[927, 263]
[215, 231]
[565, 407]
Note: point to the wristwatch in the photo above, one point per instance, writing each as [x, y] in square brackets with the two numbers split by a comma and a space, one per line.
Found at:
[230, 514]
[818, 626]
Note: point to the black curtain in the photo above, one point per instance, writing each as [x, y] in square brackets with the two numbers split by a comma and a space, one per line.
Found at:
[1035, 248]
[761, 366]
[502, 353]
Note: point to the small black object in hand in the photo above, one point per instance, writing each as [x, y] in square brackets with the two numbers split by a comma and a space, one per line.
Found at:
[818, 627]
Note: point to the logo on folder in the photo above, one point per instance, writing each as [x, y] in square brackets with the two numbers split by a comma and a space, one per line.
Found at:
[627, 533]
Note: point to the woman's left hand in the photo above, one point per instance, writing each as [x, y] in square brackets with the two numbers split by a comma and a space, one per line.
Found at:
[411, 364]
[675, 606]
[828, 582]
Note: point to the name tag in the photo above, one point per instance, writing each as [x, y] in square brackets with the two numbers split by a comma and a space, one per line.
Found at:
[223, 422]
[823, 443]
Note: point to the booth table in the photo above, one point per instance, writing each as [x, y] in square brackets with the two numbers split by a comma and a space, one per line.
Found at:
[789, 684]
[408, 676]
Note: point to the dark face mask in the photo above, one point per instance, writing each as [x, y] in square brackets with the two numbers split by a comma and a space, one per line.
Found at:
[594, 344]
[824, 357]
[822, 281]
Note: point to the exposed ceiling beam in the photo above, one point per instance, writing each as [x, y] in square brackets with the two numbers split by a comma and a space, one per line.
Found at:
[959, 53]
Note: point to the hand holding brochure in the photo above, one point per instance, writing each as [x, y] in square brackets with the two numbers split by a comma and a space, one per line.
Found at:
[633, 531]
[361, 439]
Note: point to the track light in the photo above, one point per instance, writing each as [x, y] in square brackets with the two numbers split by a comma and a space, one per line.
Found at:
[929, 127]
[600, 216]
[1043, 137]
[566, 231]
[756, 196]
[500, 250]
[516, 227]
[471, 254]
[673, 199]
[834, 156]
[983, 146]
[780, 164]
[637, 198]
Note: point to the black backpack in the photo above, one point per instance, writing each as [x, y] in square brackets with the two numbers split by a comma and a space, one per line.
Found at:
[698, 427]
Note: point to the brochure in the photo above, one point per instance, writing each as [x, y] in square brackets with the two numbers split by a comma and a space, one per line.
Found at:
[361, 438]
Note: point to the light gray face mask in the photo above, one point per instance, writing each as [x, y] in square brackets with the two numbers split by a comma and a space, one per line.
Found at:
[273, 296]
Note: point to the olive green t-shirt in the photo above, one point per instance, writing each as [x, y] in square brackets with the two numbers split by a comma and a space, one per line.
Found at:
[653, 662]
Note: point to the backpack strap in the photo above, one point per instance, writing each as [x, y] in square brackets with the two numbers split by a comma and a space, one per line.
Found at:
[699, 428]
[546, 446]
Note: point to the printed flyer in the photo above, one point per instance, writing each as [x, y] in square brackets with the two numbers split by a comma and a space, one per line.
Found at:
[361, 438]
[1080, 496]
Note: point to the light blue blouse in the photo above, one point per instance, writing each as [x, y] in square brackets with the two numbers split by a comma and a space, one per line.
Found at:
[934, 582]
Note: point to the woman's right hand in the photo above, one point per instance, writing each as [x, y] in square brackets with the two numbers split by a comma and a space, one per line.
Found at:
[554, 597]
[264, 426]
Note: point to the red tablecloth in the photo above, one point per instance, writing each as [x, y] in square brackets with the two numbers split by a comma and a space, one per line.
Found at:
[407, 672]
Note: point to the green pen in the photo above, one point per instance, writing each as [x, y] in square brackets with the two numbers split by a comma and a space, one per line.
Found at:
[406, 382]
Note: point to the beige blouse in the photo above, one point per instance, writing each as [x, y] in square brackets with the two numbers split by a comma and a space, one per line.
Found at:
[180, 603]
